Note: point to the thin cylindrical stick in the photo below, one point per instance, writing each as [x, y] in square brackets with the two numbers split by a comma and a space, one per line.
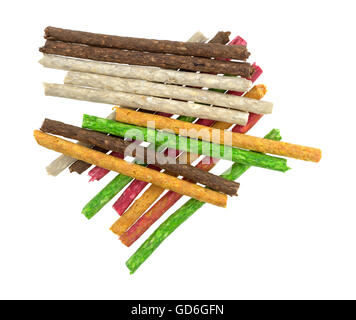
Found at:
[180, 216]
[209, 50]
[143, 154]
[146, 73]
[128, 196]
[186, 144]
[145, 102]
[167, 61]
[170, 198]
[97, 173]
[63, 162]
[120, 181]
[219, 136]
[149, 88]
[129, 169]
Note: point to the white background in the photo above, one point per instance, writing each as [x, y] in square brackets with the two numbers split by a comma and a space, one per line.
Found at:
[286, 236]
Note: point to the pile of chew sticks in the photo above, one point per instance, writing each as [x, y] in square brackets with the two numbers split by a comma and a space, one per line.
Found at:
[208, 84]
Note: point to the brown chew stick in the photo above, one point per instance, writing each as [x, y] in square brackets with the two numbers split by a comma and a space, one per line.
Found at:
[221, 37]
[208, 50]
[168, 61]
[130, 169]
[144, 154]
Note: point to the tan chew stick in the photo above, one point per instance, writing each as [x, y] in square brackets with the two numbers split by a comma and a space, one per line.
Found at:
[149, 88]
[147, 73]
[146, 102]
[218, 136]
[130, 169]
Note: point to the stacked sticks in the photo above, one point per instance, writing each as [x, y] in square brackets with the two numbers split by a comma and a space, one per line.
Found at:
[161, 78]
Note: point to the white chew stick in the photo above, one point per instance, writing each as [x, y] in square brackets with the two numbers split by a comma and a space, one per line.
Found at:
[62, 162]
[147, 73]
[132, 100]
[168, 91]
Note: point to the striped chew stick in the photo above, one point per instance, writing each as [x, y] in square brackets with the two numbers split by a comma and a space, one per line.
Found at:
[181, 215]
[170, 198]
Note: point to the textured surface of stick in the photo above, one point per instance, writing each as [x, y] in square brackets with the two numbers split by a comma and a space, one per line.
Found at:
[149, 88]
[185, 144]
[180, 216]
[80, 166]
[219, 136]
[145, 102]
[167, 61]
[143, 154]
[221, 37]
[146, 73]
[97, 173]
[105, 195]
[63, 162]
[144, 202]
[129, 169]
[110, 191]
[209, 50]
[170, 198]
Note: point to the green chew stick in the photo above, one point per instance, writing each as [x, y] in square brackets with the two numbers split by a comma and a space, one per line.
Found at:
[113, 188]
[182, 214]
[186, 144]
[105, 195]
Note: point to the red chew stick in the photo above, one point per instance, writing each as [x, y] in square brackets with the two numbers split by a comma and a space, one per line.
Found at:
[170, 198]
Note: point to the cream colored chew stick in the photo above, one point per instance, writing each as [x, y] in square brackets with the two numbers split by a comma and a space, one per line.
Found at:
[168, 91]
[146, 102]
[147, 73]
[130, 169]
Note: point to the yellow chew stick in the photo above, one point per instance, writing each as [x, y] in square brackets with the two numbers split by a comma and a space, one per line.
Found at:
[218, 136]
[130, 169]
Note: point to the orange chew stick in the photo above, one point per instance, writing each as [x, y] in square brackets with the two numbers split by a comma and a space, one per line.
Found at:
[218, 136]
[130, 169]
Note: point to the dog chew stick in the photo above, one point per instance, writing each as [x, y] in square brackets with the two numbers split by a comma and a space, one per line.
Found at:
[208, 50]
[170, 198]
[145, 102]
[219, 136]
[80, 166]
[120, 181]
[146, 73]
[167, 61]
[134, 189]
[143, 154]
[129, 169]
[185, 144]
[98, 173]
[149, 88]
[181, 215]
[63, 162]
